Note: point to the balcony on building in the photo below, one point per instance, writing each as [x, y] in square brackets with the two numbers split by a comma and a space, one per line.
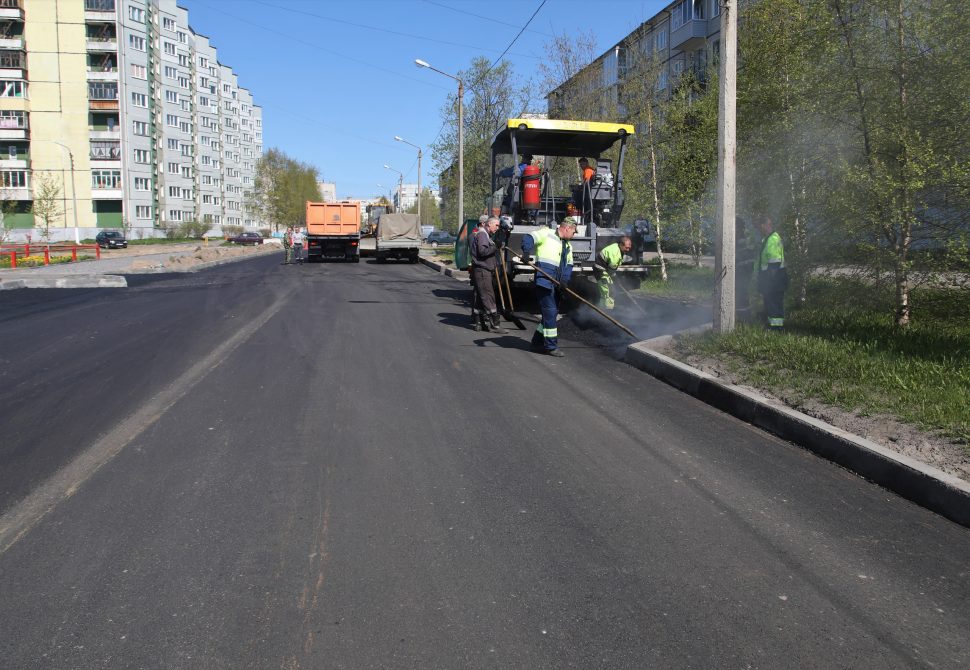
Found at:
[12, 9]
[14, 155]
[98, 10]
[106, 184]
[105, 150]
[12, 34]
[103, 126]
[14, 125]
[13, 64]
[101, 36]
[102, 95]
[102, 67]
[15, 184]
[688, 25]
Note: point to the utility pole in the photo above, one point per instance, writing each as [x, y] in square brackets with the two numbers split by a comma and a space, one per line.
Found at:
[401, 139]
[724, 258]
[461, 139]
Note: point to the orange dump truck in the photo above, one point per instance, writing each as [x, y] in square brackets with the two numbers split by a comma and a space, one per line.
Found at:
[333, 230]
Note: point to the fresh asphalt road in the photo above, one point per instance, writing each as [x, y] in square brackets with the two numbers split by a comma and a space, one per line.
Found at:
[321, 466]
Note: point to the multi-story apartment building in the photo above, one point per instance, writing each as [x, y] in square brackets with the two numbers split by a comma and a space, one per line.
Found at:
[408, 196]
[158, 130]
[683, 36]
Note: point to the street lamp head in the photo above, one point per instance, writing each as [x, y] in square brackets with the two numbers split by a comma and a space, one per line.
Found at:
[398, 138]
[420, 63]
[387, 167]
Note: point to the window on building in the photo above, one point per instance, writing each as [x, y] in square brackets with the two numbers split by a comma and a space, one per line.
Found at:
[171, 96]
[169, 48]
[137, 43]
[14, 89]
[143, 211]
[662, 39]
[186, 172]
[184, 82]
[175, 214]
[170, 72]
[206, 180]
[13, 179]
[139, 71]
[183, 37]
[139, 99]
[142, 184]
[174, 192]
[172, 120]
[185, 126]
[106, 179]
[184, 60]
[136, 14]
[186, 194]
[168, 24]
[140, 156]
[715, 8]
[206, 160]
[139, 128]
[185, 105]
[173, 168]
[662, 81]
[186, 149]
[172, 144]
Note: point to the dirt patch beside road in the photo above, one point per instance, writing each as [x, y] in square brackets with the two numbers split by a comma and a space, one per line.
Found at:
[184, 256]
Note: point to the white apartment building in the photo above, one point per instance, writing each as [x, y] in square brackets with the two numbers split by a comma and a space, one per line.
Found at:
[408, 197]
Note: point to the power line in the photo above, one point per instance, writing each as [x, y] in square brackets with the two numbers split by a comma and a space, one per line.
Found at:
[318, 47]
[484, 18]
[541, 5]
[383, 30]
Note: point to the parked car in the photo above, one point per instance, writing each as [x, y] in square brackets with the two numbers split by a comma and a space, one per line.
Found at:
[437, 237]
[110, 239]
[247, 238]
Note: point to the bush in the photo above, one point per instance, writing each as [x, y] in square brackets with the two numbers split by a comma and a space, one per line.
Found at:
[265, 232]
[231, 231]
[193, 229]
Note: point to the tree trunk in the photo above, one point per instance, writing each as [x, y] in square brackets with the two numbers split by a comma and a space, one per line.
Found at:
[656, 194]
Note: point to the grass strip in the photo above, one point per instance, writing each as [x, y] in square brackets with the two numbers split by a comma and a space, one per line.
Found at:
[843, 349]
[684, 282]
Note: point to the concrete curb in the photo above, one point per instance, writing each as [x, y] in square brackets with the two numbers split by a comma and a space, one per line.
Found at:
[922, 484]
[65, 281]
[440, 267]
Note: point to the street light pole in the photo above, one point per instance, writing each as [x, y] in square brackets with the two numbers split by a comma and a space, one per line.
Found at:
[400, 186]
[461, 139]
[401, 139]
[77, 234]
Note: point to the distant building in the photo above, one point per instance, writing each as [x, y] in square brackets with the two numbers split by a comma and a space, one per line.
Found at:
[683, 36]
[328, 190]
[409, 196]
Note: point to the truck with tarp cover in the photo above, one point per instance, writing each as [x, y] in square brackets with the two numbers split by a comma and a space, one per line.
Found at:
[398, 236]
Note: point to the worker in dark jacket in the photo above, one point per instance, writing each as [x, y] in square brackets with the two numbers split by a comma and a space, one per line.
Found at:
[478, 319]
[484, 263]
[554, 255]
[608, 261]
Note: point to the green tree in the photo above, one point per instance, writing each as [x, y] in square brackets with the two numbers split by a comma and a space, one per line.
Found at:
[281, 189]
[492, 95]
[430, 216]
[46, 205]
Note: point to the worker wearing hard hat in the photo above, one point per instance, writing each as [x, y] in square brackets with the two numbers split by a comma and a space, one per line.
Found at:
[608, 261]
[554, 255]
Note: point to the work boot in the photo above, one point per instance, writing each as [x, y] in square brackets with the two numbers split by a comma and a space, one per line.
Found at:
[557, 353]
[476, 322]
[496, 325]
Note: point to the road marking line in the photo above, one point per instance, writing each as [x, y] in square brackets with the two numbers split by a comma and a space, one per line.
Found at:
[21, 518]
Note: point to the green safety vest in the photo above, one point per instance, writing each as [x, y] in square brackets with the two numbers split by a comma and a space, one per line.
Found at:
[772, 251]
[611, 257]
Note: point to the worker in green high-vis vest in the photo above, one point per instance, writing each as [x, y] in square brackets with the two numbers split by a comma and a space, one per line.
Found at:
[608, 261]
[772, 276]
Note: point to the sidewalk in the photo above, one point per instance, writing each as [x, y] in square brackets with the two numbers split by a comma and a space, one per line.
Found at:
[109, 271]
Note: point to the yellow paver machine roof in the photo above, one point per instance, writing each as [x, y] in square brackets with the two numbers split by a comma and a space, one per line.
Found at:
[559, 137]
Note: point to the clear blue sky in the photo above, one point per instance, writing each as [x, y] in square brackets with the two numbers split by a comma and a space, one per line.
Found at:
[337, 80]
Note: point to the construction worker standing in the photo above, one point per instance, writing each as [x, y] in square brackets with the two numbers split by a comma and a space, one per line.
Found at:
[554, 255]
[772, 276]
[484, 262]
[608, 261]
[478, 318]
[298, 239]
[287, 245]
